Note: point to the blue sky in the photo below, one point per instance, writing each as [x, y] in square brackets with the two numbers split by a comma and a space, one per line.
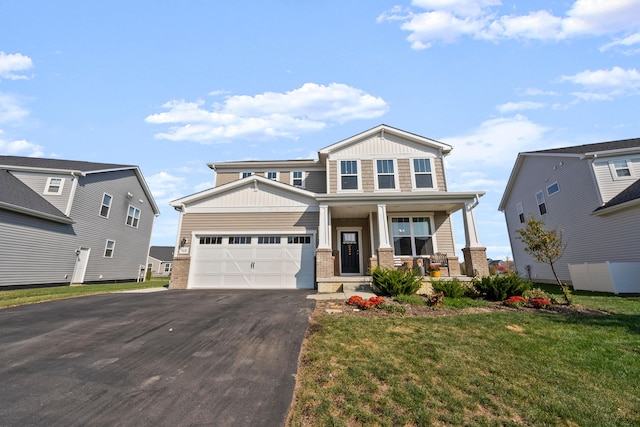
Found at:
[170, 86]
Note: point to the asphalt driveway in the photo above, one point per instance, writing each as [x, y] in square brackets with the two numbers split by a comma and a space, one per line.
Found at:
[171, 358]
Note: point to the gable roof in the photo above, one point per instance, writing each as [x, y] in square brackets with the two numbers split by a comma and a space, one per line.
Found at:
[19, 197]
[75, 167]
[598, 149]
[162, 253]
[445, 148]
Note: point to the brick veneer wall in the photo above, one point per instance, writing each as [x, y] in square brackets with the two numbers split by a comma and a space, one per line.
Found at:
[324, 263]
[180, 273]
[475, 261]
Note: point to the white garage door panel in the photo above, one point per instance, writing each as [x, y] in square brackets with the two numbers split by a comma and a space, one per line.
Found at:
[256, 266]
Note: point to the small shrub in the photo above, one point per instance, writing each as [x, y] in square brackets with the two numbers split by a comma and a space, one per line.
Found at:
[499, 288]
[409, 299]
[536, 293]
[393, 308]
[396, 281]
[450, 288]
[435, 299]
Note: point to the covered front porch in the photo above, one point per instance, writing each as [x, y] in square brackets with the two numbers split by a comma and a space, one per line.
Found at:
[356, 235]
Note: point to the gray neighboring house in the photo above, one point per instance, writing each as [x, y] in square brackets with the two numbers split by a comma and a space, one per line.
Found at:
[592, 193]
[65, 221]
[160, 260]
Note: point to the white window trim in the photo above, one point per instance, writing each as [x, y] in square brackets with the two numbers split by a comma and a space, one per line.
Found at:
[243, 172]
[396, 183]
[48, 184]
[102, 204]
[134, 217]
[551, 185]
[304, 178]
[544, 202]
[358, 176]
[520, 211]
[614, 172]
[266, 175]
[432, 224]
[414, 187]
[106, 246]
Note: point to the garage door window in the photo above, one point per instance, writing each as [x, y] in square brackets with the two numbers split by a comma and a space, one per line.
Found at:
[240, 240]
[269, 240]
[299, 239]
[210, 240]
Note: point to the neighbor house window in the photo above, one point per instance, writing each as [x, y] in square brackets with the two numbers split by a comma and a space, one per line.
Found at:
[299, 240]
[542, 206]
[422, 175]
[167, 268]
[553, 189]
[246, 174]
[269, 240]
[621, 168]
[109, 248]
[297, 178]
[348, 174]
[386, 174]
[106, 205]
[411, 236]
[520, 212]
[240, 240]
[54, 186]
[272, 175]
[133, 216]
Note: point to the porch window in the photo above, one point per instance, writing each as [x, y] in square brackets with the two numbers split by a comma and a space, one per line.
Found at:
[386, 174]
[348, 174]
[422, 175]
[411, 236]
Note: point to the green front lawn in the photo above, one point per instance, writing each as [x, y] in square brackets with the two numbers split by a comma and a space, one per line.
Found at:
[496, 368]
[10, 298]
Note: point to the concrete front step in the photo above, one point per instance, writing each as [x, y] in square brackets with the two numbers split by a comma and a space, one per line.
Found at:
[357, 287]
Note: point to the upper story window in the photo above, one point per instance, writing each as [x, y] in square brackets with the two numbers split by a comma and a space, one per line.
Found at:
[109, 248]
[411, 236]
[106, 205]
[542, 206]
[272, 175]
[386, 174]
[54, 186]
[520, 212]
[553, 189]
[422, 175]
[297, 179]
[245, 174]
[349, 175]
[133, 216]
[621, 169]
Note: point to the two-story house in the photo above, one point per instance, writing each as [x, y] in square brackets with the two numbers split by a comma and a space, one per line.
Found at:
[64, 221]
[378, 198]
[160, 260]
[592, 194]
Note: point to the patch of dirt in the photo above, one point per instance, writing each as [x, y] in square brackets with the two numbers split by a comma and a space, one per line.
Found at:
[341, 308]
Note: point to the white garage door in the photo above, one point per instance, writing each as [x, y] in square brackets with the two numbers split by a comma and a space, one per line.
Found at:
[258, 261]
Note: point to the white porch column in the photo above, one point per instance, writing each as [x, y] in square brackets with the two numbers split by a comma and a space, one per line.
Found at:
[470, 228]
[383, 227]
[324, 231]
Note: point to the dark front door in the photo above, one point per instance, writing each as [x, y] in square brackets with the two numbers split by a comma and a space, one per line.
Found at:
[350, 252]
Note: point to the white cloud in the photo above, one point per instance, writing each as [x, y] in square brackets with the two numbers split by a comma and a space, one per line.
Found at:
[603, 85]
[166, 187]
[10, 109]
[12, 64]
[19, 148]
[537, 92]
[309, 108]
[625, 42]
[447, 20]
[510, 107]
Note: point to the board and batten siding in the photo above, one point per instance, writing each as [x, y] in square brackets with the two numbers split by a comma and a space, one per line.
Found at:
[132, 244]
[444, 234]
[588, 237]
[38, 181]
[35, 250]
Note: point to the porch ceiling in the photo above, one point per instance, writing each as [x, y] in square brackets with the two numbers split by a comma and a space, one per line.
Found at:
[363, 210]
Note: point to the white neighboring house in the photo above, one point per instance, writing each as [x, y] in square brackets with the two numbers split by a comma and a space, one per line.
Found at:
[160, 260]
[378, 198]
[67, 221]
[592, 193]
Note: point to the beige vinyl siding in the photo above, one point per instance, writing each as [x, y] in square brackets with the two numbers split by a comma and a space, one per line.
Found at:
[444, 233]
[389, 146]
[367, 175]
[439, 173]
[404, 175]
[365, 238]
[316, 182]
[223, 178]
[250, 222]
[333, 176]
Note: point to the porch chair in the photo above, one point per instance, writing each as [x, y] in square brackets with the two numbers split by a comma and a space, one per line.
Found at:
[440, 259]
